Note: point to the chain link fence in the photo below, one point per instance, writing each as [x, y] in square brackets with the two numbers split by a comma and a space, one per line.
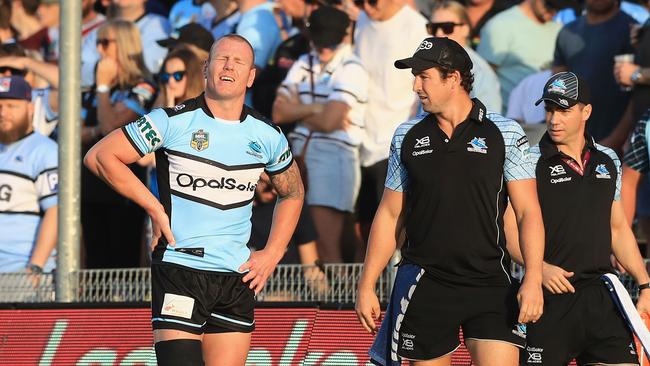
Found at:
[332, 283]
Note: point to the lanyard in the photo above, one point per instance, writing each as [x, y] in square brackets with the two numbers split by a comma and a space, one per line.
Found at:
[572, 163]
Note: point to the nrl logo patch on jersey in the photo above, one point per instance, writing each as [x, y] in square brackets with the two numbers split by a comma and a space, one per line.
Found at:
[200, 140]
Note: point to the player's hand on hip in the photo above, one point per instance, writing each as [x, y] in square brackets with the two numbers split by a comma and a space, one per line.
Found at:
[260, 266]
[531, 301]
[367, 309]
[160, 227]
[643, 304]
[556, 279]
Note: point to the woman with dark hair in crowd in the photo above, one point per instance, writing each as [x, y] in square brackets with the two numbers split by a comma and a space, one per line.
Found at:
[180, 78]
[112, 225]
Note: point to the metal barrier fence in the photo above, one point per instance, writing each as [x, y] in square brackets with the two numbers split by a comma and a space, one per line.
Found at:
[292, 283]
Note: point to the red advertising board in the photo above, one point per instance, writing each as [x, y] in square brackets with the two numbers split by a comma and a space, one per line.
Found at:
[112, 337]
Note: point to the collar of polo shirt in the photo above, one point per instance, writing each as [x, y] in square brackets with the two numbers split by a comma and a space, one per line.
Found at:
[548, 148]
[478, 111]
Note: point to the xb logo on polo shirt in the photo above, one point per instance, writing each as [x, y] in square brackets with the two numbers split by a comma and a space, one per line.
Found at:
[557, 170]
[602, 172]
[477, 144]
[422, 142]
[200, 140]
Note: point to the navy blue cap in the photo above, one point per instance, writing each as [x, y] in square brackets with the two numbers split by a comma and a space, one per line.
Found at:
[15, 87]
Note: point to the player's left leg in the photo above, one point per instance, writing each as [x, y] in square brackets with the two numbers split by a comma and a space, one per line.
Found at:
[491, 332]
[228, 329]
[492, 353]
[226, 349]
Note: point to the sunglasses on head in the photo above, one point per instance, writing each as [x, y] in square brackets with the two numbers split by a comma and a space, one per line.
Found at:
[104, 42]
[12, 71]
[177, 75]
[359, 3]
[447, 27]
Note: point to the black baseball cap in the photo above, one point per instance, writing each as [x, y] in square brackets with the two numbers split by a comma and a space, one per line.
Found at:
[566, 89]
[327, 26]
[192, 33]
[15, 87]
[437, 51]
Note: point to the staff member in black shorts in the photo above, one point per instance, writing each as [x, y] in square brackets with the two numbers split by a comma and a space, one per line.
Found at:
[450, 173]
[578, 183]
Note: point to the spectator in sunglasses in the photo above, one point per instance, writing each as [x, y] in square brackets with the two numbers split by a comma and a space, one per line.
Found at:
[449, 19]
[180, 78]
[122, 93]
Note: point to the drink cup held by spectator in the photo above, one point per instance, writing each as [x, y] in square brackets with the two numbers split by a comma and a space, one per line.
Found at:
[619, 60]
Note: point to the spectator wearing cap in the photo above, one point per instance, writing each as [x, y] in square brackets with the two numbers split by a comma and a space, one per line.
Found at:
[385, 31]
[519, 41]
[607, 32]
[325, 91]
[449, 19]
[192, 11]
[112, 226]
[14, 61]
[579, 189]
[152, 27]
[450, 172]
[28, 184]
[190, 34]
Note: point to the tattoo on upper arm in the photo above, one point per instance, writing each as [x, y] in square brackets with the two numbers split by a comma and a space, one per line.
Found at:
[288, 184]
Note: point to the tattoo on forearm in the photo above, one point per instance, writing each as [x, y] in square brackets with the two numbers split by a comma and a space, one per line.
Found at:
[288, 184]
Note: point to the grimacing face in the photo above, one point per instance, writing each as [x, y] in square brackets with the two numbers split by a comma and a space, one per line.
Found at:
[230, 69]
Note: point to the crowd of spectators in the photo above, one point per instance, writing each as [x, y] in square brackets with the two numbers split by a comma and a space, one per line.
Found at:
[325, 74]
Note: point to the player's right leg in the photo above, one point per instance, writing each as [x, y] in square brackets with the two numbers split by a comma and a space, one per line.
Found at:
[174, 347]
[430, 317]
[178, 314]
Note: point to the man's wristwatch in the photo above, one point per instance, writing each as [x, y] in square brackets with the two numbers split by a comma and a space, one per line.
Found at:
[102, 88]
[35, 268]
[636, 76]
